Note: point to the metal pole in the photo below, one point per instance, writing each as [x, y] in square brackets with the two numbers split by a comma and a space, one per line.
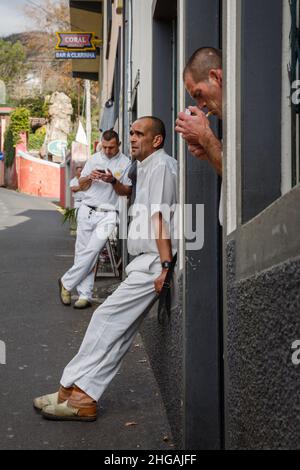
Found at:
[127, 93]
[87, 86]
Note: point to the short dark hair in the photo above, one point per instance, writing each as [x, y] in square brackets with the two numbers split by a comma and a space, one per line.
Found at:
[158, 126]
[201, 62]
[110, 135]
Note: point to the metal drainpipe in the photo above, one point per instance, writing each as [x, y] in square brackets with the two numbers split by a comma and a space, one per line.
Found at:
[128, 74]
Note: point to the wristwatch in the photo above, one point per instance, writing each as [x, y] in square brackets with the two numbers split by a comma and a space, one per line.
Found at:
[114, 180]
[166, 264]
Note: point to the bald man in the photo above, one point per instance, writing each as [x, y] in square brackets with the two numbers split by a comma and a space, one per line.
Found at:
[203, 80]
[116, 322]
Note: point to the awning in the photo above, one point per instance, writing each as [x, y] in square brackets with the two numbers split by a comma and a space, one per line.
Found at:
[86, 16]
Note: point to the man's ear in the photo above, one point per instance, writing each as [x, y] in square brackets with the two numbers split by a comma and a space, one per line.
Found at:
[216, 75]
[157, 141]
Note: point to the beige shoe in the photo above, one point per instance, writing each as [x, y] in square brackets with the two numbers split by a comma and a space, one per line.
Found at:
[64, 294]
[82, 303]
[52, 399]
[79, 407]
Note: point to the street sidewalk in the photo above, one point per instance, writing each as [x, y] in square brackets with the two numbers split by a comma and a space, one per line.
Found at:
[42, 336]
[144, 423]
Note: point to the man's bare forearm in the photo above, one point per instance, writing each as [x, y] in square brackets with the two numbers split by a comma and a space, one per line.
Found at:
[85, 183]
[122, 189]
[213, 149]
[164, 247]
[162, 238]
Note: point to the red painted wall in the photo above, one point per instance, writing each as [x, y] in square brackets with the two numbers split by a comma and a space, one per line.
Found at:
[38, 179]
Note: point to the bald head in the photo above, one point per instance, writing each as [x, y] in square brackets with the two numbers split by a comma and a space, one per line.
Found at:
[201, 62]
[156, 126]
[147, 135]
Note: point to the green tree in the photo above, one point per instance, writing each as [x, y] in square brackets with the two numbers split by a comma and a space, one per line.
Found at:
[19, 122]
[36, 105]
[12, 61]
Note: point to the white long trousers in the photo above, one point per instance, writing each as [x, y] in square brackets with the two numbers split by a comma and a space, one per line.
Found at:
[112, 330]
[93, 230]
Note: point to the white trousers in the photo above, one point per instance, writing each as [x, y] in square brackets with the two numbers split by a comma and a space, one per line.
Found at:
[112, 329]
[93, 230]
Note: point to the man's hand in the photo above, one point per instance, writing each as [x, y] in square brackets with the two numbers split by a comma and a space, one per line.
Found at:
[107, 177]
[159, 282]
[120, 188]
[195, 129]
[95, 175]
[200, 138]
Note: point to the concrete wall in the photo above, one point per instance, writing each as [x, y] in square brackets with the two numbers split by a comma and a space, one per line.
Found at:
[262, 323]
[164, 344]
[38, 177]
[261, 233]
[34, 176]
[263, 397]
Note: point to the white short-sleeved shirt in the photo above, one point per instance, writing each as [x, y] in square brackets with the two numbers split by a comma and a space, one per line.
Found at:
[156, 191]
[102, 194]
[79, 195]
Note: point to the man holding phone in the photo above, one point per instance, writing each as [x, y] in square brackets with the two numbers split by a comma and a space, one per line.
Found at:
[103, 179]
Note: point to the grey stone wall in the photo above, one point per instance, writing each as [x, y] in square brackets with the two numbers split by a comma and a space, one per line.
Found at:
[164, 345]
[262, 396]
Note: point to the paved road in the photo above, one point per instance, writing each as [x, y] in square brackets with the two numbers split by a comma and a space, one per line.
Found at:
[41, 336]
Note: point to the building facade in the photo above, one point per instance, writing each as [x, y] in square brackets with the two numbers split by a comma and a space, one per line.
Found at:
[224, 361]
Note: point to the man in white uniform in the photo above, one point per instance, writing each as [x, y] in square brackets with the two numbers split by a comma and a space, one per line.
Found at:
[78, 195]
[203, 81]
[103, 179]
[115, 323]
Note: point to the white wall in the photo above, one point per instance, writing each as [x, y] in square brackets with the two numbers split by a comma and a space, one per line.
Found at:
[142, 53]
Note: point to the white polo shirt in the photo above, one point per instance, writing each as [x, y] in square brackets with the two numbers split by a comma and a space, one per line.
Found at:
[79, 195]
[102, 194]
[156, 191]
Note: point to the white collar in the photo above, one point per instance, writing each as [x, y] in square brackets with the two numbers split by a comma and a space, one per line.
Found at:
[111, 159]
[149, 159]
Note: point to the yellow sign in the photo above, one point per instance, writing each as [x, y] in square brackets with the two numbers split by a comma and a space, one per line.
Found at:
[77, 42]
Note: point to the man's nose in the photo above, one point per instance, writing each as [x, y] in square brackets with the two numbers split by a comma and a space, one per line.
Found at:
[201, 104]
